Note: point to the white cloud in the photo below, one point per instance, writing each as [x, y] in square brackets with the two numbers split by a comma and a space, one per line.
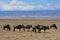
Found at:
[51, 6]
[7, 7]
[20, 5]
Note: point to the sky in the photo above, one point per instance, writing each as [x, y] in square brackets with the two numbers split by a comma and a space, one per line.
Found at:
[29, 5]
[12, 5]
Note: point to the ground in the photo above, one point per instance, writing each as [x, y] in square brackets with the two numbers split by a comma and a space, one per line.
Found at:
[51, 34]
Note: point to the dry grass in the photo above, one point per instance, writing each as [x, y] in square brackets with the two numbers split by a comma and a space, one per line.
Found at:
[51, 34]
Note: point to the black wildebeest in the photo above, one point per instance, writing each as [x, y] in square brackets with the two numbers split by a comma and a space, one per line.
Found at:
[19, 27]
[53, 26]
[28, 27]
[40, 27]
[7, 27]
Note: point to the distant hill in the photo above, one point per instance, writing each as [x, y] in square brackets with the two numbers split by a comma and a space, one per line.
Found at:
[30, 14]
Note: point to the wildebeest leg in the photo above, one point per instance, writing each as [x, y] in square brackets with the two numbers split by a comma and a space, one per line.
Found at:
[9, 29]
[19, 29]
[44, 30]
[3, 28]
[39, 30]
[14, 29]
[24, 29]
[51, 27]
[34, 29]
[55, 27]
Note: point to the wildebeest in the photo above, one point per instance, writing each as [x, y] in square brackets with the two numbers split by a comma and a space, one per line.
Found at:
[53, 26]
[28, 27]
[40, 27]
[19, 27]
[7, 27]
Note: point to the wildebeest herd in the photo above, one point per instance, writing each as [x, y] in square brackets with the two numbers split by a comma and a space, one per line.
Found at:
[34, 29]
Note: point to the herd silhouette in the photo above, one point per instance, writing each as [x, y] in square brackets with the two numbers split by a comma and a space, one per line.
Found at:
[36, 28]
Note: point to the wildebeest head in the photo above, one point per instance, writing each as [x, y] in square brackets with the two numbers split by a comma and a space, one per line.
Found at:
[53, 26]
[47, 27]
[7, 26]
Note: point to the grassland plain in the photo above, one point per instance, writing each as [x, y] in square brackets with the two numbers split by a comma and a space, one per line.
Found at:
[51, 34]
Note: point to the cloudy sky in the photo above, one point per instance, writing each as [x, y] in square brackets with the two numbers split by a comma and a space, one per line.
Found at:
[25, 5]
[8, 5]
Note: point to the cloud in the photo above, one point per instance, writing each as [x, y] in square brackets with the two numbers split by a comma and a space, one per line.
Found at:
[21, 5]
[51, 6]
